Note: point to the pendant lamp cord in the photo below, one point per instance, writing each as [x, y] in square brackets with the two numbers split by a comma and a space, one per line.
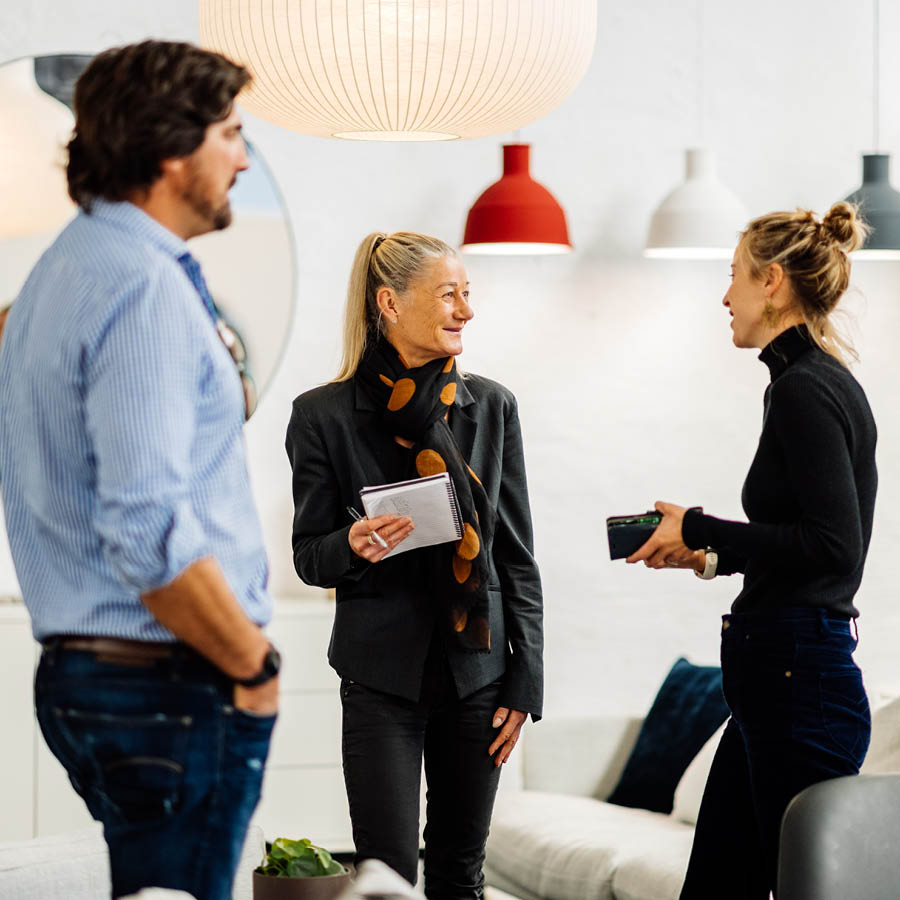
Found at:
[876, 75]
[700, 73]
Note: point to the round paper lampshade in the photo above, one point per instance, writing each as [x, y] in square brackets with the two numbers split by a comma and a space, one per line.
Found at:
[35, 128]
[516, 215]
[404, 69]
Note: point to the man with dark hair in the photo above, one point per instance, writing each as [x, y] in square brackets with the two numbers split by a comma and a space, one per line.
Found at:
[128, 506]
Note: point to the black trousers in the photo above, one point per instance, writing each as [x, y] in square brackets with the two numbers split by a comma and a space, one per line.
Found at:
[385, 739]
[799, 716]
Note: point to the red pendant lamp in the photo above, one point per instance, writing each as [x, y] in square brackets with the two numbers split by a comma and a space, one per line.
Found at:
[516, 215]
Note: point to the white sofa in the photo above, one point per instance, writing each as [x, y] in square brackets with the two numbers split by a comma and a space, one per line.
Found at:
[556, 838]
[75, 866]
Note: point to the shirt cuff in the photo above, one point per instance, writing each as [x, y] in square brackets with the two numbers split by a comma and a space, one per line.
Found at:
[694, 529]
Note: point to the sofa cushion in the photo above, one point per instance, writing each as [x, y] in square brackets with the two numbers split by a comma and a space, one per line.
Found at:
[569, 848]
[75, 866]
[687, 710]
[689, 792]
[657, 871]
[67, 866]
[883, 757]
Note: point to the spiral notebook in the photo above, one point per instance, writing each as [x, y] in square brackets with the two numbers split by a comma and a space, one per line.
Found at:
[430, 502]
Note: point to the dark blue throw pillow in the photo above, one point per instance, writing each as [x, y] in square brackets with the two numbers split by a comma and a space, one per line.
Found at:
[686, 712]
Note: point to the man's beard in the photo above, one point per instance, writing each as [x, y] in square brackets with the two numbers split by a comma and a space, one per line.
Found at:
[196, 195]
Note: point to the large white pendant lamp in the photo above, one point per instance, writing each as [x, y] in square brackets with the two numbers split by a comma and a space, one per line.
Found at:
[878, 202]
[404, 69]
[34, 129]
[700, 219]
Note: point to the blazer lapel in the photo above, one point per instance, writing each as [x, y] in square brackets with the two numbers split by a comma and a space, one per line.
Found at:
[462, 423]
[371, 433]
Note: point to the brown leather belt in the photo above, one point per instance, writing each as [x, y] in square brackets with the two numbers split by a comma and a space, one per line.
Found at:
[118, 650]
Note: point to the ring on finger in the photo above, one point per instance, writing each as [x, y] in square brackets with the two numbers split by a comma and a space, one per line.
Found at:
[370, 539]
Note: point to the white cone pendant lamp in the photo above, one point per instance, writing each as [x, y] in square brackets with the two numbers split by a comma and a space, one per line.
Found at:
[34, 129]
[700, 219]
[404, 69]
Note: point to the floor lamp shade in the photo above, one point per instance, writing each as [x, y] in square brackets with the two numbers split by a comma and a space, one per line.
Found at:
[700, 219]
[34, 129]
[879, 205]
[404, 69]
[516, 215]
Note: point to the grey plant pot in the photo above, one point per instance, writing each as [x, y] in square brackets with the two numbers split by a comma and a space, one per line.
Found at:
[321, 887]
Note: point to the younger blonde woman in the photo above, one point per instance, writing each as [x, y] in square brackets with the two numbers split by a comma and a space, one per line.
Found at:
[799, 708]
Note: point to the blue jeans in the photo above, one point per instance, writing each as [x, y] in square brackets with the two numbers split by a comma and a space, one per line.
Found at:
[162, 758]
[799, 715]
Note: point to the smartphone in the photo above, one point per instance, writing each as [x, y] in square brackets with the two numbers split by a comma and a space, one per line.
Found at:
[628, 533]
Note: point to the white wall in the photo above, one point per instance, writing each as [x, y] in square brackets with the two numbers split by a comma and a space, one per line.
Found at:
[628, 386]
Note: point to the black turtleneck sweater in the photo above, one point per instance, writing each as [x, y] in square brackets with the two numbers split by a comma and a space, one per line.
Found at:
[810, 491]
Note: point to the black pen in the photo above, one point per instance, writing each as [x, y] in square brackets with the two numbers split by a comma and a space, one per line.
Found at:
[373, 533]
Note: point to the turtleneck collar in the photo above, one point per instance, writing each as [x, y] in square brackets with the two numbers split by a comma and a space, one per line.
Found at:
[783, 349]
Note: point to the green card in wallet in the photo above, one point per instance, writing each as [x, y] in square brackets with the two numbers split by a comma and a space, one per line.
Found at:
[430, 502]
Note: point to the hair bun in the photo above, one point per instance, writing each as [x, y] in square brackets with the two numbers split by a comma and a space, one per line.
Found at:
[844, 224]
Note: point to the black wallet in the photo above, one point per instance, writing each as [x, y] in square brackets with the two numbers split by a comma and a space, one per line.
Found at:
[628, 533]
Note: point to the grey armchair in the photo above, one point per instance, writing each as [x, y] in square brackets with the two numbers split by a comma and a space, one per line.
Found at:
[839, 841]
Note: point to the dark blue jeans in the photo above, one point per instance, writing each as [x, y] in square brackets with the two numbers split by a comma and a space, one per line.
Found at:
[385, 739]
[162, 758]
[799, 715]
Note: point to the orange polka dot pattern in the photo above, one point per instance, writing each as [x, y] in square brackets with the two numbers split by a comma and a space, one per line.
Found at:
[417, 405]
[430, 462]
[468, 547]
[401, 394]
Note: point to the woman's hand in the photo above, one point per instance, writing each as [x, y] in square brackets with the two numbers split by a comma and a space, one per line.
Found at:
[392, 529]
[512, 721]
[665, 548]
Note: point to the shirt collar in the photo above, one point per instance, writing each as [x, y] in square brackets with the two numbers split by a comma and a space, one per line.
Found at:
[786, 347]
[130, 218]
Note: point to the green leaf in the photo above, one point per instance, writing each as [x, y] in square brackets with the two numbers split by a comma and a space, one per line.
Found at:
[299, 859]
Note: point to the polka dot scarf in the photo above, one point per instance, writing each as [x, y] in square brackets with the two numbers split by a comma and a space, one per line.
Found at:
[414, 404]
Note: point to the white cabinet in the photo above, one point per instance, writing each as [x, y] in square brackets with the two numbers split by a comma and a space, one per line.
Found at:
[17, 718]
[303, 790]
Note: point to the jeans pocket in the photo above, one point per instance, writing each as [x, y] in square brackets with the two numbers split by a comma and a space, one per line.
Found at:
[128, 767]
[846, 718]
[250, 716]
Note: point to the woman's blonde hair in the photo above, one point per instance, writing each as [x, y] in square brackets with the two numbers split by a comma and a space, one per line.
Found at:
[813, 255]
[382, 260]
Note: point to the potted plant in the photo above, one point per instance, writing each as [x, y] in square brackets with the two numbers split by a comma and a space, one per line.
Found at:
[298, 870]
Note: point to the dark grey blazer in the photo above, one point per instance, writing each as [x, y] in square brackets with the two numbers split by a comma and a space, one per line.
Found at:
[385, 619]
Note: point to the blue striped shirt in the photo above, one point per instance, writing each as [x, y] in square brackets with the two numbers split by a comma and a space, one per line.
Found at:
[121, 441]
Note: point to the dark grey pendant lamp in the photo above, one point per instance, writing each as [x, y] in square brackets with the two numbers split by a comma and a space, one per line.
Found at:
[878, 202]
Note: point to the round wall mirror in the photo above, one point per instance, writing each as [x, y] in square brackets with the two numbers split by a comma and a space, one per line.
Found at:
[249, 266]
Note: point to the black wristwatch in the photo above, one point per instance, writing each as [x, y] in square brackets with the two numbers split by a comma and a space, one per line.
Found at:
[270, 668]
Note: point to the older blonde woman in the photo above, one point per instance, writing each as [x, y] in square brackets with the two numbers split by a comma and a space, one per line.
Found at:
[799, 708]
[439, 649]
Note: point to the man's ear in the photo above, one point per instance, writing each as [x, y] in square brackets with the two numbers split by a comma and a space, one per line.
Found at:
[174, 166]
